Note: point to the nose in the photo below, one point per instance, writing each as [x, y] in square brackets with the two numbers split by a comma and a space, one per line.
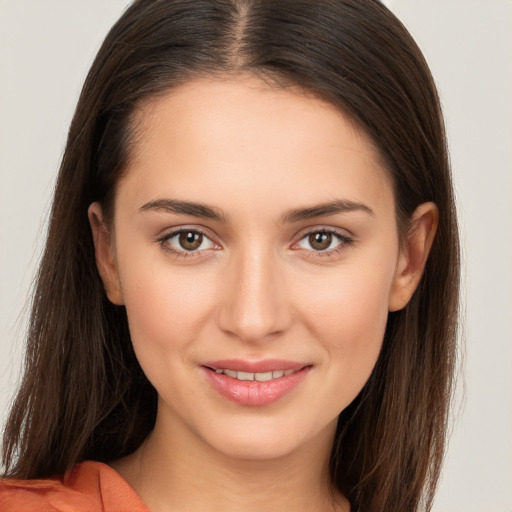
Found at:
[253, 305]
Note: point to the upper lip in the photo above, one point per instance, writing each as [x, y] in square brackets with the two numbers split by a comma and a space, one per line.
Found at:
[262, 366]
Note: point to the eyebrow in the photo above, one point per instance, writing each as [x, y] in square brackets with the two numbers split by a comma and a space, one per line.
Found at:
[289, 217]
[325, 209]
[184, 207]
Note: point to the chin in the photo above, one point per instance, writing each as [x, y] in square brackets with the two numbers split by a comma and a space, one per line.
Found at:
[259, 449]
[266, 440]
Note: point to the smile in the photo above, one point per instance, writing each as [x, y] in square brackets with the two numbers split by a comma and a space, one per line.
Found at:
[255, 383]
[260, 377]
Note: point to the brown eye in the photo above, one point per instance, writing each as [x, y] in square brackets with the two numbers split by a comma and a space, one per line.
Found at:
[324, 242]
[190, 240]
[187, 242]
[320, 241]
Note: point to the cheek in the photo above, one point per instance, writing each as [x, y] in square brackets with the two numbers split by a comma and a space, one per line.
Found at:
[349, 317]
[165, 308]
[349, 305]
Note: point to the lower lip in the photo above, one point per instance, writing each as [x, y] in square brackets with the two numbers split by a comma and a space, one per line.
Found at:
[252, 392]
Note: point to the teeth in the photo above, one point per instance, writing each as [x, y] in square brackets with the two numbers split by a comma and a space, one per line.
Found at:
[263, 377]
[260, 377]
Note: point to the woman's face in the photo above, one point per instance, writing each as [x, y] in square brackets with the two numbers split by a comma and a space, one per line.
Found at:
[255, 248]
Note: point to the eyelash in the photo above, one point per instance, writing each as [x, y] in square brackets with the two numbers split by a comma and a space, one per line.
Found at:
[343, 238]
[164, 243]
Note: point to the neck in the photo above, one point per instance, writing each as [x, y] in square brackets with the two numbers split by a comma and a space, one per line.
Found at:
[178, 472]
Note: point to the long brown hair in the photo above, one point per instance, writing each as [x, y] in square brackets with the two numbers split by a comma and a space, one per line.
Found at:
[84, 395]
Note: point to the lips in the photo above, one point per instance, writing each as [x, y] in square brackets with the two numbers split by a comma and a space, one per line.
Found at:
[254, 383]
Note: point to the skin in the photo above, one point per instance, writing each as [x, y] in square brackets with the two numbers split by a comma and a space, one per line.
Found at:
[258, 287]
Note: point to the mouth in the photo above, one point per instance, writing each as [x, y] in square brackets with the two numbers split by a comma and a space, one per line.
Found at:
[258, 376]
[255, 383]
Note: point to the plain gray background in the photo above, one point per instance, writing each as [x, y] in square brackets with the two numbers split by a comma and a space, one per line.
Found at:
[46, 48]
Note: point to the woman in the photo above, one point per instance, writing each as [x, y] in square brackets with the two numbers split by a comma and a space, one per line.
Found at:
[249, 291]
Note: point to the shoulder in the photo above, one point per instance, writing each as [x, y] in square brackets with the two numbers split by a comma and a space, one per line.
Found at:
[87, 487]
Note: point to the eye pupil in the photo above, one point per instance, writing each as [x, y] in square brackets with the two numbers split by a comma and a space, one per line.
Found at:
[320, 241]
[190, 240]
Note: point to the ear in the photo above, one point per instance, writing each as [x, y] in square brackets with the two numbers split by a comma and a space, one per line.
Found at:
[105, 255]
[413, 255]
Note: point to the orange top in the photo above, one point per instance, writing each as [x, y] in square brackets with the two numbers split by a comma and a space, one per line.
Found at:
[87, 487]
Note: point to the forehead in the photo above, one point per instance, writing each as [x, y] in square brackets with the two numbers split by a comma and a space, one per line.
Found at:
[217, 139]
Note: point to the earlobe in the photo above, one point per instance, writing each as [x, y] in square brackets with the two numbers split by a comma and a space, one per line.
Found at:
[104, 253]
[414, 255]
